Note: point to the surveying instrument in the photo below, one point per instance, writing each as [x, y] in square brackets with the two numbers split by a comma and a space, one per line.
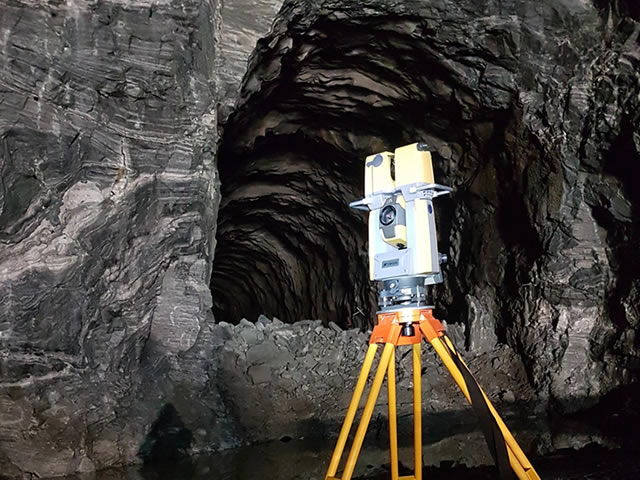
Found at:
[403, 255]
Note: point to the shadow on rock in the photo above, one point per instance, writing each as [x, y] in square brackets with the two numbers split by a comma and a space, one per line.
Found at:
[166, 446]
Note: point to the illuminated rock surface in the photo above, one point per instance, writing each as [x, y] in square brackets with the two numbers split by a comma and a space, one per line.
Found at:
[110, 140]
[108, 205]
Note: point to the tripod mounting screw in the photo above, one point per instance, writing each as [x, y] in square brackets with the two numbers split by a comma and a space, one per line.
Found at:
[408, 330]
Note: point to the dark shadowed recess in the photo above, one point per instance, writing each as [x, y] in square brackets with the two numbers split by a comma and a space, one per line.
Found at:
[168, 439]
[622, 163]
[292, 156]
[623, 8]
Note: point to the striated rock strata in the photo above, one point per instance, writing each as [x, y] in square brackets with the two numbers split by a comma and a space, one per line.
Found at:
[110, 116]
[532, 111]
[108, 207]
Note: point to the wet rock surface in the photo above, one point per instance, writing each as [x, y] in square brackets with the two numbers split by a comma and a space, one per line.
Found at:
[305, 461]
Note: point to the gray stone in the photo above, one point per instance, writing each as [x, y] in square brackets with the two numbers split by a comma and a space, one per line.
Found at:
[269, 397]
[535, 126]
[108, 206]
[260, 374]
[110, 139]
[482, 335]
[265, 352]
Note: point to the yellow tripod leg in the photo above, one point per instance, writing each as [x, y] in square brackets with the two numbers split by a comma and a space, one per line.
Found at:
[351, 412]
[517, 459]
[417, 411]
[393, 422]
[368, 411]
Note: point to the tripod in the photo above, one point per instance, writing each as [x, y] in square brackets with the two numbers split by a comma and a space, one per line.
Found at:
[409, 326]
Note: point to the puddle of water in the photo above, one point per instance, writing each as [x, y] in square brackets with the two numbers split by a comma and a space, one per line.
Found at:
[293, 460]
[297, 461]
[444, 447]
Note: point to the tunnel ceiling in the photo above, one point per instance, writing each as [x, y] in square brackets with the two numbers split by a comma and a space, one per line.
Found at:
[529, 122]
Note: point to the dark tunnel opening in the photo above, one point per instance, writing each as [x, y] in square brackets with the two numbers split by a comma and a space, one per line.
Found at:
[283, 228]
[527, 264]
[292, 156]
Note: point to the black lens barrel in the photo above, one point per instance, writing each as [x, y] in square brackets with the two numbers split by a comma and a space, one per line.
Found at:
[388, 215]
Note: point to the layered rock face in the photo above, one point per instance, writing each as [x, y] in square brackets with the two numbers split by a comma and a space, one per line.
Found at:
[108, 202]
[532, 111]
[109, 127]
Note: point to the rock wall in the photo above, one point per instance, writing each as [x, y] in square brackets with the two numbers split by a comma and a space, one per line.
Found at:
[110, 115]
[296, 381]
[108, 209]
[531, 109]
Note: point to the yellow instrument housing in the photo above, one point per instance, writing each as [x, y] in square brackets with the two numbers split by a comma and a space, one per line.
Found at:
[384, 172]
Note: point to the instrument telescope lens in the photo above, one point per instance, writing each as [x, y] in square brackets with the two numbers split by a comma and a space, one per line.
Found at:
[387, 215]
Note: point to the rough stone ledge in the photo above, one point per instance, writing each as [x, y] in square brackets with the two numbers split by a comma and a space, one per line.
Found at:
[265, 381]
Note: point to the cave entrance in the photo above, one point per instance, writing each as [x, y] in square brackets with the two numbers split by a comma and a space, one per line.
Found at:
[291, 160]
